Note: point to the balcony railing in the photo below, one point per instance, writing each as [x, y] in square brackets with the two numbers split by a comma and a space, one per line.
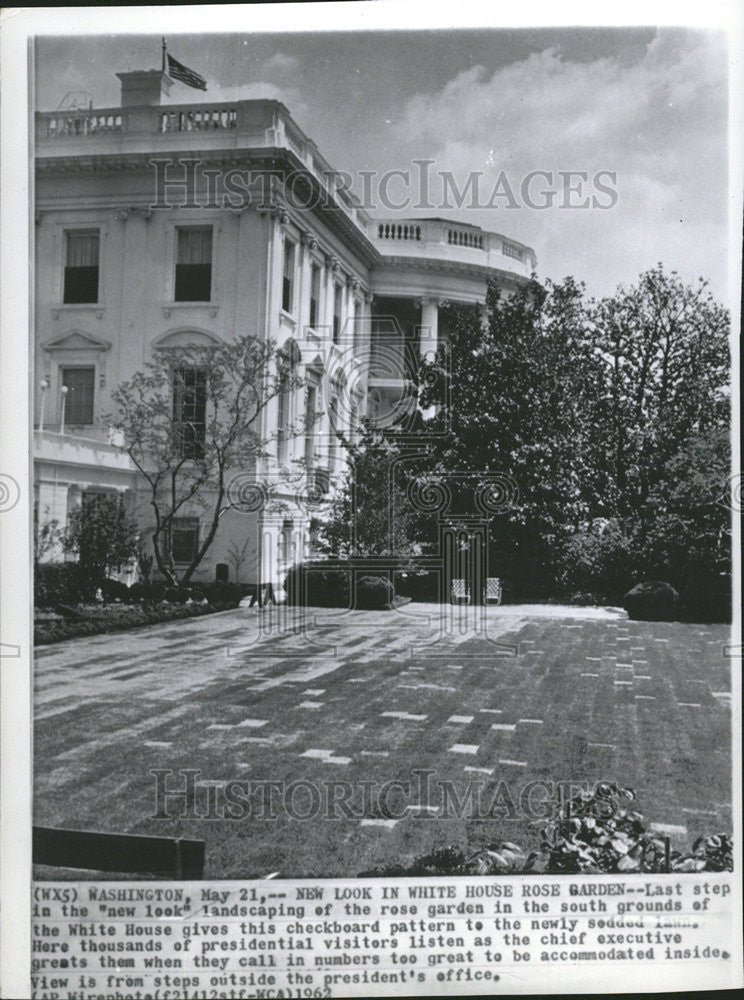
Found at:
[513, 250]
[196, 120]
[440, 238]
[465, 238]
[259, 124]
[83, 123]
[398, 231]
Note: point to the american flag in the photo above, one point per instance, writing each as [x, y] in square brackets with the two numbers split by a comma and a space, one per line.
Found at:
[180, 72]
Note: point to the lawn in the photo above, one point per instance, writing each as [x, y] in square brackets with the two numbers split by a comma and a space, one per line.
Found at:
[369, 698]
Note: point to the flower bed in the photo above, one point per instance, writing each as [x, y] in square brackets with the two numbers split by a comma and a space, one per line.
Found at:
[595, 833]
[50, 626]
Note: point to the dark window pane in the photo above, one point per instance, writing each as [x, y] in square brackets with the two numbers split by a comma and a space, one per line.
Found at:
[337, 307]
[314, 294]
[81, 266]
[288, 276]
[310, 415]
[81, 284]
[287, 295]
[194, 265]
[80, 384]
[193, 282]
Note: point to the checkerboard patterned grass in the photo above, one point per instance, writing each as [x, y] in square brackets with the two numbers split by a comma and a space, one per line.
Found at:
[366, 700]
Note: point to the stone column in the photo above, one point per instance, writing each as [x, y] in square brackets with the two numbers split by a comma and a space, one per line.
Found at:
[429, 326]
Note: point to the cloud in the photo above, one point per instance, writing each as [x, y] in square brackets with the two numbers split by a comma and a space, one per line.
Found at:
[659, 123]
[280, 62]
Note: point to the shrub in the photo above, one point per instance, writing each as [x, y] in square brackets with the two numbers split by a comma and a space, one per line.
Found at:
[596, 832]
[114, 590]
[102, 535]
[419, 585]
[599, 561]
[706, 599]
[313, 585]
[148, 590]
[652, 601]
[60, 583]
[114, 619]
[374, 592]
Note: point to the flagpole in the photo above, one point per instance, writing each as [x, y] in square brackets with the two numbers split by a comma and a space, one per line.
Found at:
[164, 56]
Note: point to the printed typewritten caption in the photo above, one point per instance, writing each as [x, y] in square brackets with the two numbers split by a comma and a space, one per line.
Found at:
[168, 941]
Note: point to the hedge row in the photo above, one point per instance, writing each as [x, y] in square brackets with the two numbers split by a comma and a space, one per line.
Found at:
[317, 586]
[65, 583]
[117, 619]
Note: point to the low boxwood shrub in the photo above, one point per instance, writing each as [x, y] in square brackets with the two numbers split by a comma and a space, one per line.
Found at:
[150, 590]
[419, 585]
[374, 592]
[317, 586]
[60, 583]
[115, 618]
[115, 590]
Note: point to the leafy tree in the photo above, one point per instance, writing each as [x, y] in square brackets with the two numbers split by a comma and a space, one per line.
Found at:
[102, 535]
[521, 388]
[665, 351]
[687, 536]
[591, 409]
[191, 419]
[370, 514]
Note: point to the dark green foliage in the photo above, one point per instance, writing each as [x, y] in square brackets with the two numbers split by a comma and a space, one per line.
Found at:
[371, 515]
[114, 590]
[652, 601]
[103, 536]
[373, 592]
[419, 585]
[60, 583]
[308, 585]
[115, 618]
[612, 420]
[593, 834]
[316, 585]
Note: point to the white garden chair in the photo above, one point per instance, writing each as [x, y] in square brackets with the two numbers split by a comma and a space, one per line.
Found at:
[460, 592]
[493, 590]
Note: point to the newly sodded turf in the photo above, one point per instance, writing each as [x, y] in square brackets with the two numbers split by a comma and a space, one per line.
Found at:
[348, 703]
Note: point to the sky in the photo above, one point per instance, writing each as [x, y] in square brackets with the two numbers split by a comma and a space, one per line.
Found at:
[641, 111]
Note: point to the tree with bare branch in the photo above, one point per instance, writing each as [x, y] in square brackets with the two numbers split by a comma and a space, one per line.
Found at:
[192, 419]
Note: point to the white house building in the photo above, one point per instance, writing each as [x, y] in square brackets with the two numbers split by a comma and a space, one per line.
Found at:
[161, 224]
